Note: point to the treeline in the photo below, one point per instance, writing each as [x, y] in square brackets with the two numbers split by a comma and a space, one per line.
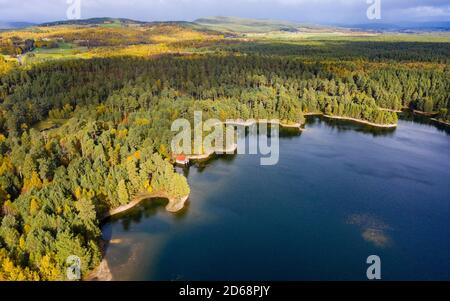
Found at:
[376, 51]
[81, 137]
[269, 87]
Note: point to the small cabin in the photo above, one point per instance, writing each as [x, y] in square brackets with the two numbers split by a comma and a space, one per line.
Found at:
[182, 160]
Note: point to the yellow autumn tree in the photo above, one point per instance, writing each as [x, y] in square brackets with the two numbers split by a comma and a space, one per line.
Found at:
[148, 187]
[33, 182]
[34, 206]
[48, 268]
[22, 242]
[122, 192]
[11, 272]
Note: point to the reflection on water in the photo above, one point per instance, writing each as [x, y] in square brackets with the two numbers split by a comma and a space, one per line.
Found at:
[409, 116]
[290, 133]
[372, 229]
[201, 165]
[146, 209]
[340, 125]
[340, 193]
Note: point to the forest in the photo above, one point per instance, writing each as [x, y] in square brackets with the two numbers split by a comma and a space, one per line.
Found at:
[81, 136]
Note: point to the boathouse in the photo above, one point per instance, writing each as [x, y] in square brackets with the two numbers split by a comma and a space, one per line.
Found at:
[182, 159]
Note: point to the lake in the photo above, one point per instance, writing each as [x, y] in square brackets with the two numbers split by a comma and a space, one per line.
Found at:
[340, 193]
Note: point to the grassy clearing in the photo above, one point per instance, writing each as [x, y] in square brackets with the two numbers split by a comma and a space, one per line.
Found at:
[65, 52]
[49, 124]
[63, 49]
[112, 24]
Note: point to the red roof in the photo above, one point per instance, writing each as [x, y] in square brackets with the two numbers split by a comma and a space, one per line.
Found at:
[181, 158]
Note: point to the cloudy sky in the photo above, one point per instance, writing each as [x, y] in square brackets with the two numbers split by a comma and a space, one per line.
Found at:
[313, 11]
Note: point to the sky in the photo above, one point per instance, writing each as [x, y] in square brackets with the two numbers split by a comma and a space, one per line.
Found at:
[308, 11]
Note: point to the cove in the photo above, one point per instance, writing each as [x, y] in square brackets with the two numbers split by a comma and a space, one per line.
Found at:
[340, 192]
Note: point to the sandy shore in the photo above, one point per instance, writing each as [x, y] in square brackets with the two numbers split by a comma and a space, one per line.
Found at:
[391, 110]
[352, 119]
[174, 205]
[421, 113]
[229, 150]
[362, 121]
[440, 122]
[285, 125]
[312, 114]
[101, 273]
[250, 123]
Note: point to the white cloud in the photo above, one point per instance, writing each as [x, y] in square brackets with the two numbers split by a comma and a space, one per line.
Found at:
[429, 11]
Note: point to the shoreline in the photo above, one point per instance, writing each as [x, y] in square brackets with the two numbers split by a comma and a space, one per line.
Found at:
[173, 206]
[232, 149]
[391, 110]
[229, 151]
[312, 114]
[425, 114]
[440, 122]
[360, 121]
[102, 272]
[245, 123]
[432, 116]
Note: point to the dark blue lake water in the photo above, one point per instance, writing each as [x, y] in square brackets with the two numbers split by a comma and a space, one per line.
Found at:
[340, 193]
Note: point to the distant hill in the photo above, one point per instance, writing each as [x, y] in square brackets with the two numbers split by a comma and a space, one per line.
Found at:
[110, 22]
[94, 21]
[236, 25]
[13, 25]
[242, 25]
[403, 27]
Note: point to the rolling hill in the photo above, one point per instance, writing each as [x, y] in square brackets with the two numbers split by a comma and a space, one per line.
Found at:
[241, 25]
